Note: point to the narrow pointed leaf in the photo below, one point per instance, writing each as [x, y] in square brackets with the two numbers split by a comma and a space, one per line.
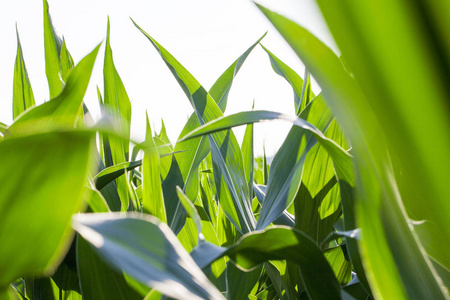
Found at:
[23, 97]
[152, 200]
[227, 157]
[62, 111]
[52, 46]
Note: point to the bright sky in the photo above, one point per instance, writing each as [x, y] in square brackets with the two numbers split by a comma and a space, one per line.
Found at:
[206, 36]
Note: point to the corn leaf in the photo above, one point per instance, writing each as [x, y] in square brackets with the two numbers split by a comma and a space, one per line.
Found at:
[341, 159]
[97, 279]
[52, 46]
[152, 198]
[248, 157]
[117, 104]
[294, 80]
[66, 61]
[23, 97]
[221, 88]
[62, 111]
[240, 283]
[148, 251]
[30, 202]
[198, 149]
[390, 249]
[227, 157]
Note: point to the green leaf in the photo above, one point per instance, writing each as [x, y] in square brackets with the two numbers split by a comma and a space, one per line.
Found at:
[23, 97]
[287, 166]
[240, 283]
[294, 80]
[152, 198]
[227, 157]
[63, 110]
[30, 200]
[66, 61]
[52, 46]
[342, 160]
[117, 104]
[248, 157]
[190, 209]
[278, 243]
[392, 153]
[148, 251]
[221, 88]
[97, 279]
[107, 175]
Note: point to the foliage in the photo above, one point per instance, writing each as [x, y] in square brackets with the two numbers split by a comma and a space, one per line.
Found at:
[203, 218]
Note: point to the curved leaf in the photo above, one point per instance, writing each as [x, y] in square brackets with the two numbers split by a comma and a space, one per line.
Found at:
[226, 153]
[30, 199]
[148, 251]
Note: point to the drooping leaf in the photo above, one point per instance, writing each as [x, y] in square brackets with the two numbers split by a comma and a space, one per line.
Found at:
[148, 251]
[278, 243]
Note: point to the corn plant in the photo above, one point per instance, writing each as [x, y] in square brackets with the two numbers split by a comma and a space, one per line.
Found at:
[339, 213]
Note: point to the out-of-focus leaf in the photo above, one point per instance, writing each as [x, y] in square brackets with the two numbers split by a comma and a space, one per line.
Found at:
[97, 202]
[66, 61]
[148, 251]
[342, 268]
[62, 111]
[97, 279]
[353, 234]
[30, 200]
[374, 108]
[23, 97]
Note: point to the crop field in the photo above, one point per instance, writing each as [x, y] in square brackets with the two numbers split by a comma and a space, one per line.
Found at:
[354, 205]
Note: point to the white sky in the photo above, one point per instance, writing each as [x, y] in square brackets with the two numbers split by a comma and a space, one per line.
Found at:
[206, 36]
